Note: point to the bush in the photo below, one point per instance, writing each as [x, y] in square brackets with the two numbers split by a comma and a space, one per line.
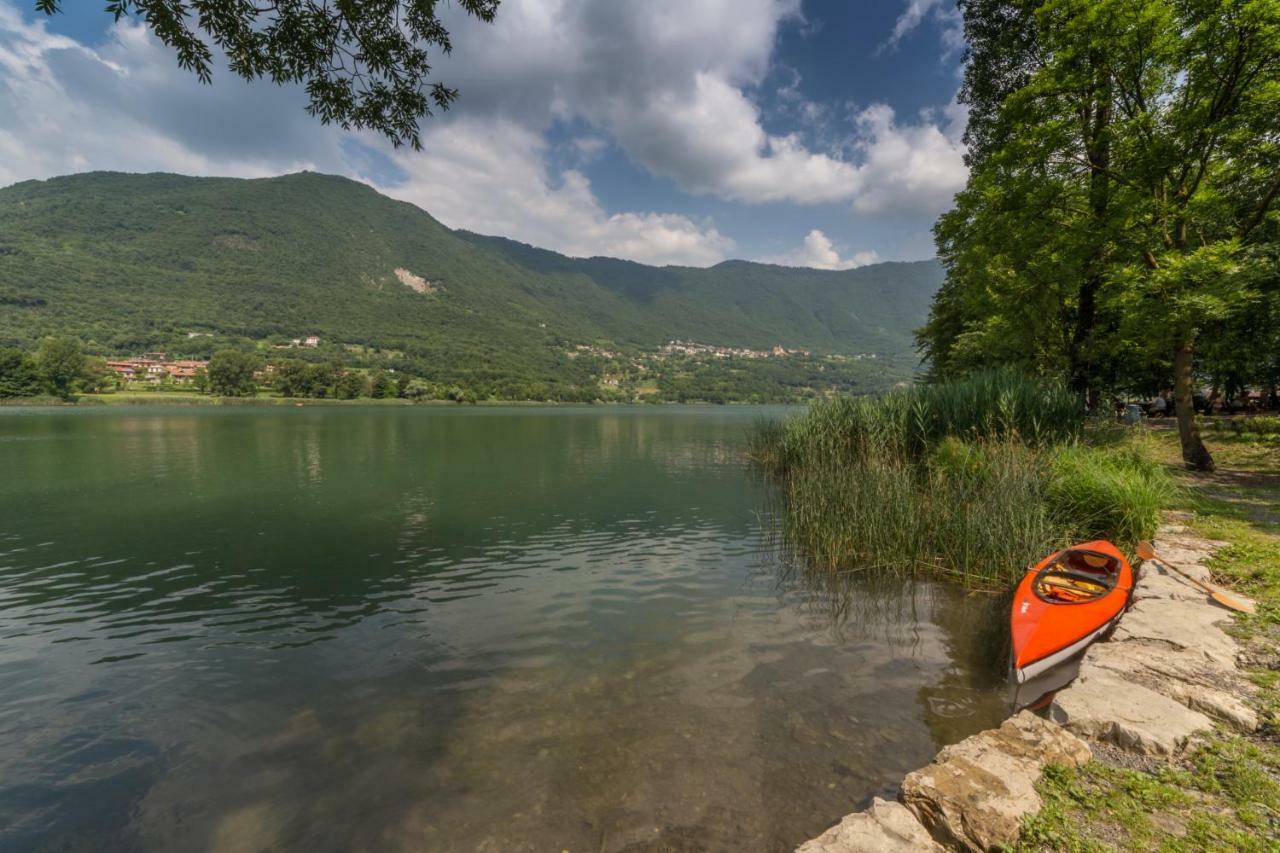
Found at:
[1255, 426]
[1107, 492]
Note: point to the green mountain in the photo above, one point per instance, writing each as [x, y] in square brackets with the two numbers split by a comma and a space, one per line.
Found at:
[137, 262]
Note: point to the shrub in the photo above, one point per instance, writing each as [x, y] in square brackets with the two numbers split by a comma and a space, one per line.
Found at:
[1111, 492]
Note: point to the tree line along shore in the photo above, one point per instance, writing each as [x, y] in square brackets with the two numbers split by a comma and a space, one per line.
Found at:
[61, 367]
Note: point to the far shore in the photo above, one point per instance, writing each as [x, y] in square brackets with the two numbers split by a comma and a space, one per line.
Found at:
[184, 400]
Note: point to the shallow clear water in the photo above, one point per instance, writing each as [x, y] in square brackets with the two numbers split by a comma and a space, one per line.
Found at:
[480, 629]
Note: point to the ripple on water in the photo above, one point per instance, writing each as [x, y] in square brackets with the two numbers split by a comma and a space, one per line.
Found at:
[412, 630]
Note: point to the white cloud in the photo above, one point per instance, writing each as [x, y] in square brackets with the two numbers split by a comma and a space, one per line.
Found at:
[819, 252]
[911, 17]
[944, 12]
[489, 176]
[667, 80]
[65, 108]
[909, 167]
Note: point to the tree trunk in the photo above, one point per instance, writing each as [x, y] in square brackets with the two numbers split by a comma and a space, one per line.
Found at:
[1194, 453]
[1096, 138]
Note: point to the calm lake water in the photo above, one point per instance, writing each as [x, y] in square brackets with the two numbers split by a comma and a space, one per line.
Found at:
[440, 629]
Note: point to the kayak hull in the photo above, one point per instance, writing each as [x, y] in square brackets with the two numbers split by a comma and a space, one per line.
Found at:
[1048, 633]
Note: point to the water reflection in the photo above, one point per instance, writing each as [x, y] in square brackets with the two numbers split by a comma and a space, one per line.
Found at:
[424, 629]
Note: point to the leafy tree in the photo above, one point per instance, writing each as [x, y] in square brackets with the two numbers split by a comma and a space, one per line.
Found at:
[381, 386]
[231, 373]
[95, 377]
[61, 363]
[291, 378]
[350, 385]
[19, 374]
[365, 65]
[402, 384]
[1121, 203]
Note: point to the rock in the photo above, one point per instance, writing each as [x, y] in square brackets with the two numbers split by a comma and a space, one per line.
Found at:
[1184, 676]
[976, 792]
[1156, 582]
[1185, 625]
[1103, 706]
[885, 827]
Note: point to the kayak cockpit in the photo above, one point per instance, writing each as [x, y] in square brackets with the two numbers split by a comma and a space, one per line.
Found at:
[1076, 576]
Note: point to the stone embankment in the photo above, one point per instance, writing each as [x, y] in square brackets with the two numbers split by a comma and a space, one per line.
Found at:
[1167, 673]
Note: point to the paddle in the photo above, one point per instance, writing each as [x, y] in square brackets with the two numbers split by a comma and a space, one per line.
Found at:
[1146, 552]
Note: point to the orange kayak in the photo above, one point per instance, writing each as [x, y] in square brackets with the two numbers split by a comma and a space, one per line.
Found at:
[1064, 603]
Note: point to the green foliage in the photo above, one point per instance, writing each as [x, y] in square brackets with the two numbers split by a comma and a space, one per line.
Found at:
[19, 374]
[1261, 426]
[1111, 492]
[380, 385]
[1121, 203]
[134, 263]
[60, 362]
[985, 405]
[971, 480]
[364, 65]
[349, 385]
[230, 373]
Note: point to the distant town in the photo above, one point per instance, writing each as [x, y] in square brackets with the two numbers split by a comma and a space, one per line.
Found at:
[154, 367]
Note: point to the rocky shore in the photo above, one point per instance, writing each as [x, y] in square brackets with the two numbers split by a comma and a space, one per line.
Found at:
[1168, 673]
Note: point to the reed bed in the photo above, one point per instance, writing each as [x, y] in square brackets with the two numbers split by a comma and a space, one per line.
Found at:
[970, 480]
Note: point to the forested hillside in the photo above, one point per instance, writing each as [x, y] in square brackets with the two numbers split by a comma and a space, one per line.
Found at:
[129, 263]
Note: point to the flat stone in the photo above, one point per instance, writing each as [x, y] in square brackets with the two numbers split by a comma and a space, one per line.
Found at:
[1198, 682]
[1157, 582]
[976, 792]
[1103, 706]
[1180, 624]
[885, 827]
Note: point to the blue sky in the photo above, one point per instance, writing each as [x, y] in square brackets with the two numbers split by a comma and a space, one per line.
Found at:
[671, 131]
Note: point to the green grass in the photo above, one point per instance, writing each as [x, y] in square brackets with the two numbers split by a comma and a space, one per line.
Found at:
[1265, 427]
[969, 480]
[1217, 800]
[1113, 491]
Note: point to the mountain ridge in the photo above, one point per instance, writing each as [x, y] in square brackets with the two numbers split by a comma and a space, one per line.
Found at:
[130, 262]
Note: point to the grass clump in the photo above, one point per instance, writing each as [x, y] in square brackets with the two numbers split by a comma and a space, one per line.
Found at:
[970, 480]
[1111, 492]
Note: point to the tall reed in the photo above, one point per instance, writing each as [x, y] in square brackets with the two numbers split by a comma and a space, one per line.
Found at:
[970, 480]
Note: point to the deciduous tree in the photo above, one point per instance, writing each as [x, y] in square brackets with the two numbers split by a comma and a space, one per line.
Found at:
[231, 373]
[1123, 194]
[364, 64]
[61, 362]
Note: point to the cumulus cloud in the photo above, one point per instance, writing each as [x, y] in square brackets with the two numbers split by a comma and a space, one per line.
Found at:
[668, 81]
[819, 252]
[489, 176]
[909, 167]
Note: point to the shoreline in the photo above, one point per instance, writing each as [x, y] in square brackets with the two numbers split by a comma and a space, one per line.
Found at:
[1169, 679]
[178, 401]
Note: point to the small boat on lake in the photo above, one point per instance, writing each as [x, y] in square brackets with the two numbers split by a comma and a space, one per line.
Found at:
[1064, 603]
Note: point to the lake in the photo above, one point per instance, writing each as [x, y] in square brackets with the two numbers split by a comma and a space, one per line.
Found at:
[494, 629]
